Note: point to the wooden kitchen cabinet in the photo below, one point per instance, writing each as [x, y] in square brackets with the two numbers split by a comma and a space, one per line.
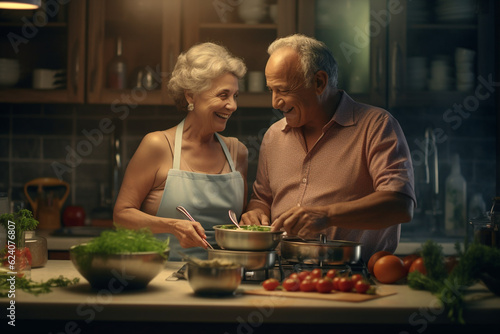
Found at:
[458, 38]
[150, 36]
[221, 22]
[52, 37]
[377, 44]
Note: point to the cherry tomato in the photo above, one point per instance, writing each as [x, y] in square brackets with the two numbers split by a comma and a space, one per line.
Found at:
[307, 285]
[335, 282]
[356, 277]
[332, 273]
[303, 274]
[345, 284]
[316, 273]
[324, 285]
[294, 275]
[418, 265]
[389, 269]
[270, 284]
[362, 286]
[291, 284]
[408, 260]
[374, 258]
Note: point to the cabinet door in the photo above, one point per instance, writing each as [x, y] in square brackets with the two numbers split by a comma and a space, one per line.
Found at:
[438, 52]
[148, 33]
[47, 40]
[246, 28]
[356, 33]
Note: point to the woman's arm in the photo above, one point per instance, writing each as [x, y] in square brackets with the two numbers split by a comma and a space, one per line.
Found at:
[139, 179]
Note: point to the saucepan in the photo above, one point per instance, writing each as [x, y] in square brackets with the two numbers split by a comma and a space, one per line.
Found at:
[231, 238]
[249, 260]
[320, 252]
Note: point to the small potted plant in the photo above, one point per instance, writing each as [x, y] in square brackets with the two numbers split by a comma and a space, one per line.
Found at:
[15, 257]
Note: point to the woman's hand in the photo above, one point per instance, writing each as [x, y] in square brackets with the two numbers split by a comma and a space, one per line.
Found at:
[302, 221]
[254, 217]
[190, 234]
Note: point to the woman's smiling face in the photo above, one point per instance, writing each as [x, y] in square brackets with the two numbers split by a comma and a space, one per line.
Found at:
[215, 105]
[286, 82]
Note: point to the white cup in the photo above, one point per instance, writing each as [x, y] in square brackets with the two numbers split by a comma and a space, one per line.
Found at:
[45, 78]
[256, 81]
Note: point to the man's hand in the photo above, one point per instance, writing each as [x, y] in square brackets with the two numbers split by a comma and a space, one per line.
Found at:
[254, 217]
[302, 221]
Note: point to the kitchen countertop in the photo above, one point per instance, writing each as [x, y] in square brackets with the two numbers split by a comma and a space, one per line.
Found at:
[173, 303]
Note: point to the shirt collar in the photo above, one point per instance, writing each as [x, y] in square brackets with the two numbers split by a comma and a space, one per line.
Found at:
[344, 115]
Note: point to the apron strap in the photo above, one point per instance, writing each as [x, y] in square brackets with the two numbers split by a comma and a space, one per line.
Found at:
[178, 145]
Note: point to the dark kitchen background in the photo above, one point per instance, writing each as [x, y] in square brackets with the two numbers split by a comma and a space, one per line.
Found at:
[432, 64]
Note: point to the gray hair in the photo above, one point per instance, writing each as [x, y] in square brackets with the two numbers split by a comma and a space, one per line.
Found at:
[314, 56]
[198, 67]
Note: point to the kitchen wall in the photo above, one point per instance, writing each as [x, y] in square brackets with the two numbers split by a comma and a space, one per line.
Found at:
[34, 138]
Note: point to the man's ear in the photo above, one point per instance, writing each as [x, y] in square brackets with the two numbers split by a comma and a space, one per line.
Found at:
[320, 82]
[189, 96]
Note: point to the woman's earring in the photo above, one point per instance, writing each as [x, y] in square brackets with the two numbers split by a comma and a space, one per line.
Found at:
[190, 107]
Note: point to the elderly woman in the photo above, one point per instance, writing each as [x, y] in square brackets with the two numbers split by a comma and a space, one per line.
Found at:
[190, 165]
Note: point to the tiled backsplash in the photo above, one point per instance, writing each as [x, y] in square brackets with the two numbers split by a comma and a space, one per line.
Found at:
[76, 139]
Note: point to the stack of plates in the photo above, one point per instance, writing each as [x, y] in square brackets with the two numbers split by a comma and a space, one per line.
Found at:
[418, 11]
[440, 78]
[9, 72]
[417, 73]
[455, 10]
[464, 66]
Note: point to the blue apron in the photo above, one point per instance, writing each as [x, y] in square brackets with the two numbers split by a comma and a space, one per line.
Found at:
[207, 197]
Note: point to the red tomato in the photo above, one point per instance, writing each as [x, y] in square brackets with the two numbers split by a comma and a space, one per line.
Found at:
[345, 284]
[291, 284]
[294, 275]
[335, 282]
[356, 277]
[418, 264]
[362, 286]
[389, 269]
[374, 258]
[307, 285]
[303, 274]
[316, 273]
[324, 285]
[270, 284]
[408, 260]
[331, 273]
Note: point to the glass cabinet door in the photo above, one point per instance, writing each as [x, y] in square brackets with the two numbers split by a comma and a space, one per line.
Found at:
[437, 51]
[131, 50]
[356, 32]
[42, 53]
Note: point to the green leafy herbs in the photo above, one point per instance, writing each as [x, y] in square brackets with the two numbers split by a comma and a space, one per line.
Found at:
[18, 222]
[123, 240]
[30, 286]
[258, 228]
[450, 288]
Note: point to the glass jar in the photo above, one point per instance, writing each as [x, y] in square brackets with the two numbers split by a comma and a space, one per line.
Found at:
[485, 231]
[15, 257]
[38, 248]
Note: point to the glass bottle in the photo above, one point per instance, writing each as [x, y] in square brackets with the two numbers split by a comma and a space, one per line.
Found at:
[117, 68]
[455, 201]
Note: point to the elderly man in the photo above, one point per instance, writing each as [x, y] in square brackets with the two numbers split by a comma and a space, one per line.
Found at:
[331, 165]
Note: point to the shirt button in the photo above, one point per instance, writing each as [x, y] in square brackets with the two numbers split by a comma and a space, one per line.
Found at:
[304, 180]
[298, 204]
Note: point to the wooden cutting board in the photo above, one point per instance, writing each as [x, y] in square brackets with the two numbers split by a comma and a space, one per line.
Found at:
[335, 295]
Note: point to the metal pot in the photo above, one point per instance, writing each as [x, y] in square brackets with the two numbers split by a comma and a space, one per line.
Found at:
[248, 260]
[314, 252]
[235, 239]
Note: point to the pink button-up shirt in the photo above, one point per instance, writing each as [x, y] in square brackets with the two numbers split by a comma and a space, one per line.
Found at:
[362, 150]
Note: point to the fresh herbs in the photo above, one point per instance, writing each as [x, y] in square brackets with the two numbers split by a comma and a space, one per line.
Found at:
[22, 221]
[450, 288]
[31, 286]
[123, 240]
